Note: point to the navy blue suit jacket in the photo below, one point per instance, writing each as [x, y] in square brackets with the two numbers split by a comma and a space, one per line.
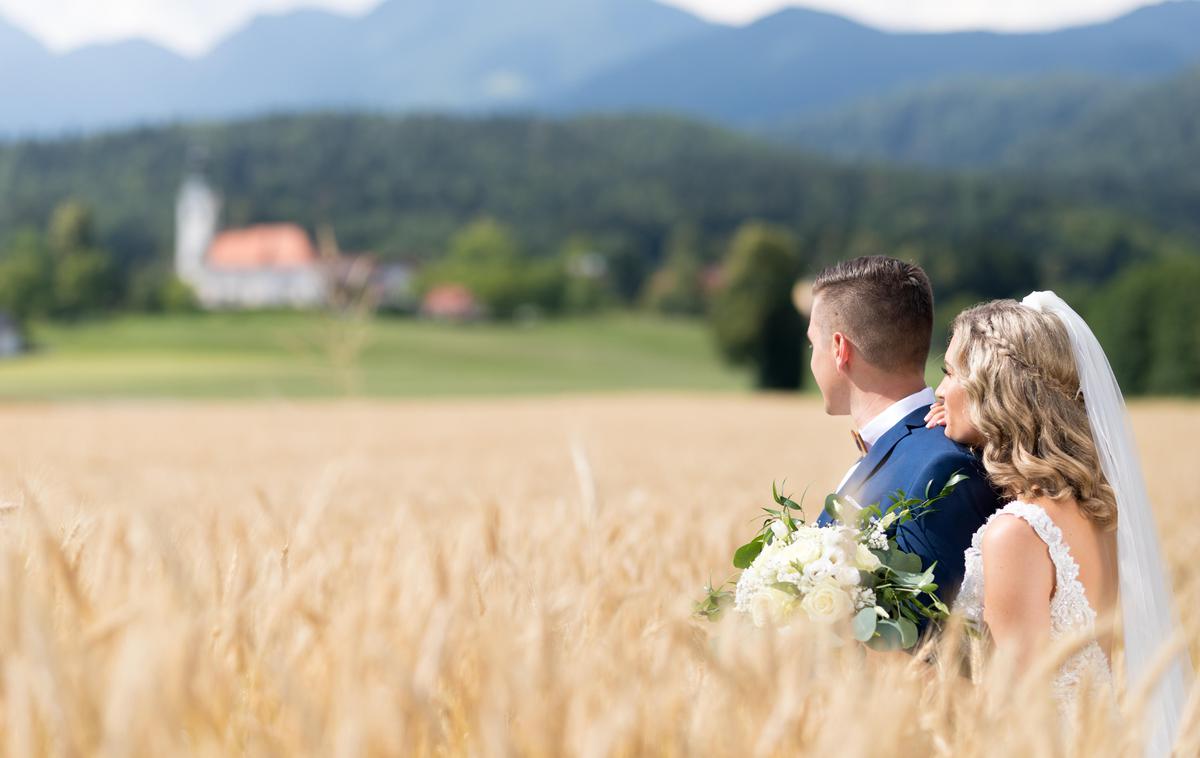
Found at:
[908, 457]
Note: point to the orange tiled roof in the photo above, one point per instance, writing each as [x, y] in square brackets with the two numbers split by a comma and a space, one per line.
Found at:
[262, 246]
[449, 301]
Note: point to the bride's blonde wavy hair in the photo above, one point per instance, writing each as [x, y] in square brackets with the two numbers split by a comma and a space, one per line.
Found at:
[1016, 367]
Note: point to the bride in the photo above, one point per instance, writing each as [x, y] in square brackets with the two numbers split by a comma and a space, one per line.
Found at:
[1029, 385]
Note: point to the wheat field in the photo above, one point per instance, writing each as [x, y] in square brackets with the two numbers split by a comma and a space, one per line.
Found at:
[490, 578]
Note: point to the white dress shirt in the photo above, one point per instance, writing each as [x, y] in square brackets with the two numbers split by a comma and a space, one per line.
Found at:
[892, 415]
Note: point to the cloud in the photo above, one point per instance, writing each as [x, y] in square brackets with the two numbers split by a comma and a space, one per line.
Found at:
[929, 15]
[188, 26]
[193, 26]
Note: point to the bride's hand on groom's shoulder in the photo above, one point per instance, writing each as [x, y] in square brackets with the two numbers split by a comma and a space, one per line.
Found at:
[936, 416]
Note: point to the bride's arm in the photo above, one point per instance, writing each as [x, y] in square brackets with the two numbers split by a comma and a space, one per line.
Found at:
[1018, 581]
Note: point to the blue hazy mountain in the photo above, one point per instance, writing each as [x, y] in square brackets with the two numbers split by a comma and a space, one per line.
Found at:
[799, 61]
[561, 57]
[405, 54]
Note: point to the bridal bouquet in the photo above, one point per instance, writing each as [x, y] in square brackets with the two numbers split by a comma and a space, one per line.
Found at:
[849, 574]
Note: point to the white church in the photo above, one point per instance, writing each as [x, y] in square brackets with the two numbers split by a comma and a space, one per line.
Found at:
[263, 266]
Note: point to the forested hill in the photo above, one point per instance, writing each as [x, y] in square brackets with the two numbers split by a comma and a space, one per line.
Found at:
[1139, 151]
[401, 187]
[1122, 145]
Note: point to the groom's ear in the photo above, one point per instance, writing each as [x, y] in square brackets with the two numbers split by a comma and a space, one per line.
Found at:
[841, 349]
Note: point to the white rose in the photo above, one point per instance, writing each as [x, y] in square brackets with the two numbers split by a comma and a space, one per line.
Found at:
[827, 603]
[805, 547]
[779, 529]
[865, 559]
[774, 606]
[847, 576]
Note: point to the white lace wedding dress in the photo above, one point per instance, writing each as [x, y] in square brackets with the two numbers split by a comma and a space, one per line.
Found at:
[1070, 612]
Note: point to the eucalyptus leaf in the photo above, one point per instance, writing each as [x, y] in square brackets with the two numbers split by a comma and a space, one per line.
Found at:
[908, 633]
[864, 624]
[887, 636]
[909, 579]
[900, 561]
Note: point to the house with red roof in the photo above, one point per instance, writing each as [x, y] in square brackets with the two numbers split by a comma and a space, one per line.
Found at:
[262, 266]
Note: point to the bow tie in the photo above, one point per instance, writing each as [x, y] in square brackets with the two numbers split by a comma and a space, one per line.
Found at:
[859, 442]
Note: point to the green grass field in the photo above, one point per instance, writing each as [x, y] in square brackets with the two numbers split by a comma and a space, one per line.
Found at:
[257, 355]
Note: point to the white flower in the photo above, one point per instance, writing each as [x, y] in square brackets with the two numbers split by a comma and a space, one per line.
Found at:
[865, 598]
[865, 559]
[827, 603]
[877, 536]
[773, 606]
[818, 569]
[847, 576]
[833, 537]
[779, 529]
[805, 546]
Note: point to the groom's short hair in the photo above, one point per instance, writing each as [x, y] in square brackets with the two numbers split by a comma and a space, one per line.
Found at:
[885, 307]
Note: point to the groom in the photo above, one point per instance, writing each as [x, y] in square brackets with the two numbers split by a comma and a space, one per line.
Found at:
[870, 327]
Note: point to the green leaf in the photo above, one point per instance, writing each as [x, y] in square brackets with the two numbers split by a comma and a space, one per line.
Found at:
[787, 587]
[911, 580]
[831, 507]
[864, 624]
[867, 580]
[899, 561]
[956, 479]
[908, 633]
[887, 636]
[746, 554]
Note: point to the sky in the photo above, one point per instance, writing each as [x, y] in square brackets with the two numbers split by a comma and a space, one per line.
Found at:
[193, 26]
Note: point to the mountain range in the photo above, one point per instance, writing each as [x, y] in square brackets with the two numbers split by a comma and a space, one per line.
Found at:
[457, 55]
[471, 56]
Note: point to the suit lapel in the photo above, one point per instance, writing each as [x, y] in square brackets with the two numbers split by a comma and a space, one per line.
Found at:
[881, 451]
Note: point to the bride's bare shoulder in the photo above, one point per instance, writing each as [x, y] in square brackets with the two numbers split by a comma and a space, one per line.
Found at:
[1010, 534]
[1015, 559]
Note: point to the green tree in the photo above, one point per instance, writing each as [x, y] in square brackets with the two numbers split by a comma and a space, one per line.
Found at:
[1148, 320]
[677, 287]
[178, 296]
[26, 279]
[587, 285]
[485, 258]
[155, 289]
[72, 228]
[753, 317]
[85, 282]
[85, 278]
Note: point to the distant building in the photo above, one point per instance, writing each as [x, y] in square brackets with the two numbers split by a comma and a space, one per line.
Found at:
[12, 342]
[451, 302]
[268, 265]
